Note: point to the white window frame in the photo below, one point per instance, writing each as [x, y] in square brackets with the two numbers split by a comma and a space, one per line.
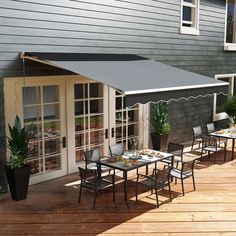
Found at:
[228, 46]
[232, 80]
[190, 30]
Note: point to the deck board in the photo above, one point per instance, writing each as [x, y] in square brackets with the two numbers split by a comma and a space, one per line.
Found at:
[52, 208]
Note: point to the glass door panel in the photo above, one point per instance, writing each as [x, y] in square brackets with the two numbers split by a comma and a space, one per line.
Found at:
[41, 111]
[126, 121]
[89, 118]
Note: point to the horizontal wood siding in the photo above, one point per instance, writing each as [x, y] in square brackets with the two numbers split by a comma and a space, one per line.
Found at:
[144, 27]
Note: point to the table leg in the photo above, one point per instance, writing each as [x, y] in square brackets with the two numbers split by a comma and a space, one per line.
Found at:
[125, 185]
[233, 142]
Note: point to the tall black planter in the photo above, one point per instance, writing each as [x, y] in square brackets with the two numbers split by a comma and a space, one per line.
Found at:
[18, 180]
[159, 142]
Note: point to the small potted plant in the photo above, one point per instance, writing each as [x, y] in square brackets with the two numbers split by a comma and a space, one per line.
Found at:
[17, 171]
[160, 124]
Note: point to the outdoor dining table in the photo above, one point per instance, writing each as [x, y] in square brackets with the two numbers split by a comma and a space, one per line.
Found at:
[227, 134]
[130, 162]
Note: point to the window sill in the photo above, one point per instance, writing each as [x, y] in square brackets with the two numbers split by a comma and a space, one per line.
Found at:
[230, 47]
[188, 30]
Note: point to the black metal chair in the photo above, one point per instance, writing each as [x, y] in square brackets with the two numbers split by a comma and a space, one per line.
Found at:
[197, 136]
[210, 127]
[93, 181]
[177, 150]
[185, 171]
[158, 180]
[116, 149]
[92, 157]
[211, 145]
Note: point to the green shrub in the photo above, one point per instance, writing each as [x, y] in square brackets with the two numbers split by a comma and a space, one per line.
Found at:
[17, 144]
[159, 118]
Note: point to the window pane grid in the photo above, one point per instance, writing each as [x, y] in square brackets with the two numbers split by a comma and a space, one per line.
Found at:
[88, 103]
[42, 112]
[189, 17]
[126, 119]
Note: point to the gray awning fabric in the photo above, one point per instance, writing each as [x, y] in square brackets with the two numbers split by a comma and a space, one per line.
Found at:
[140, 79]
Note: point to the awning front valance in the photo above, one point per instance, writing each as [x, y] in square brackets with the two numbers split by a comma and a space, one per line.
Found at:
[140, 79]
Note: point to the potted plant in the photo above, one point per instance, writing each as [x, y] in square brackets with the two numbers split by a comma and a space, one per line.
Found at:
[160, 124]
[17, 171]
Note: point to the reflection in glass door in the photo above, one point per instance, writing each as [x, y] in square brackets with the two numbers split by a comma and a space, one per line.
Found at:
[41, 110]
[89, 118]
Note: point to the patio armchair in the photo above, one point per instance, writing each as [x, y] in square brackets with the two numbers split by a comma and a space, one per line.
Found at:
[210, 127]
[92, 157]
[197, 136]
[93, 181]
[186, 170]
[211, 145]
[177, 150]
[157, 181]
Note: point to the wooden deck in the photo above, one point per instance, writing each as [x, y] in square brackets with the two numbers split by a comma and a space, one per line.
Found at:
[52, 208]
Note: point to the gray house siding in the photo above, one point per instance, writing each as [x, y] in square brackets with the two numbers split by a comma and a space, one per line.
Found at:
[144, 27]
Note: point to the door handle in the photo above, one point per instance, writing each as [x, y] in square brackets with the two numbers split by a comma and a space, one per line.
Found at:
[106, 133]
[112, 132]
[64, 142]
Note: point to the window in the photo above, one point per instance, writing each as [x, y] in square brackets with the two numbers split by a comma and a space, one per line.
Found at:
[221, 99]
[190, 17]
[230, 38]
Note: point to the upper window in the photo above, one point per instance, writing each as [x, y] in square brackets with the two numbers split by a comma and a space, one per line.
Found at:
[230, 39]
[190, 17]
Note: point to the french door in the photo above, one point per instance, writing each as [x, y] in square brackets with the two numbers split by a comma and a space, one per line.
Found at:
[100, 118]
[68, 115]
[40, 103]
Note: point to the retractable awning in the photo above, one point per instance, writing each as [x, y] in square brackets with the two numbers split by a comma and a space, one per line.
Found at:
[140, 79]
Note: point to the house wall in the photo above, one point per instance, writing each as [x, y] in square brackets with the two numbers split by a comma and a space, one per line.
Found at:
[144, 27]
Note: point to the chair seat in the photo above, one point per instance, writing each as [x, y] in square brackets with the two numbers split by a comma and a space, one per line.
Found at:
[97, 185]
[93, 166]
[149, 180]
[212, 149]
[152, 184]
[177, 173]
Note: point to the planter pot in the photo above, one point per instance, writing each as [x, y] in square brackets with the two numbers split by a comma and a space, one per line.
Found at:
[159, 142]
[18, 180]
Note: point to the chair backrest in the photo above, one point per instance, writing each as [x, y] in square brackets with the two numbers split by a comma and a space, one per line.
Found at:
[91, 156]
[87, 175]
[197, 131]
[116, 149]
[210, 128]
[176, 149]
[209, 141]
